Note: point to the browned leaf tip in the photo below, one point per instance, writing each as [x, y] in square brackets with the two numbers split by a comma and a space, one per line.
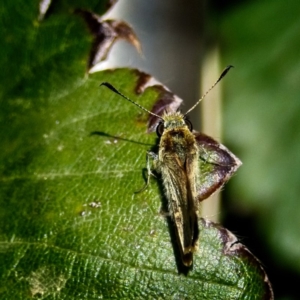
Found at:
[166, 100]
[218, 165]
[232, 247]
[106, 33]
[125, 31]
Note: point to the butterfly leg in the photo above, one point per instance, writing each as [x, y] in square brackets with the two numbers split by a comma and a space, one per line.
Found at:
[150, 156]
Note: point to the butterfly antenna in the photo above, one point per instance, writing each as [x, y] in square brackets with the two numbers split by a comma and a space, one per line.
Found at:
[225, 71]
[112, 88]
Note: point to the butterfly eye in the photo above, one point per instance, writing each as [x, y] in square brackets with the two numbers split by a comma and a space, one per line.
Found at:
[189, 124]
[160, 129]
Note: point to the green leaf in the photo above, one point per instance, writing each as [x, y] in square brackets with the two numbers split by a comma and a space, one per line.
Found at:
[71, 226]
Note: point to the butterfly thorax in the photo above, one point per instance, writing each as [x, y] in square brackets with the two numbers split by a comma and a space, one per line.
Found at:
[177, 139]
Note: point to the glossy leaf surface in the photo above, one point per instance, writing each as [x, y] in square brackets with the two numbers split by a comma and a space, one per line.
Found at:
[72, 156]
